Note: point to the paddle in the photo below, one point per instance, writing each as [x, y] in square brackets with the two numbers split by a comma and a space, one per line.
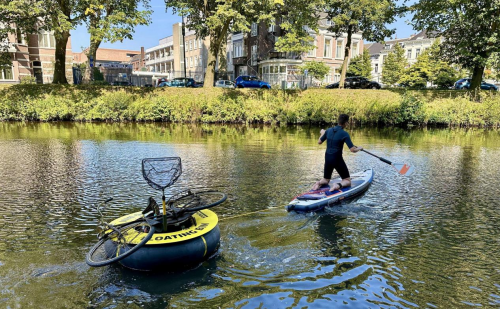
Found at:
[403, 169]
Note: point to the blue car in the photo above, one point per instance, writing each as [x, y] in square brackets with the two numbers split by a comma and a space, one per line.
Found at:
[251, 82]
[464, 83]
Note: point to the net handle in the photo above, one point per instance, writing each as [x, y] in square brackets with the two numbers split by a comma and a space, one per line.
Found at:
[164, 228]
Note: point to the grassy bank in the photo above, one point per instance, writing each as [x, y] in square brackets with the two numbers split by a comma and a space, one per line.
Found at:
[101, 103]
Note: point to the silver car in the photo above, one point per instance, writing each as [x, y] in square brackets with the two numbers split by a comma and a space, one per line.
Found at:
[225, 84]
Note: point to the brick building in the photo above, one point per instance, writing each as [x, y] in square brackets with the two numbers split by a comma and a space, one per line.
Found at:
[34, 57]
[254, 53]
[107, 55]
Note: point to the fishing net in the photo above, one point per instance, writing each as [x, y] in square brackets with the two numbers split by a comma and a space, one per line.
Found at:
[161, 173]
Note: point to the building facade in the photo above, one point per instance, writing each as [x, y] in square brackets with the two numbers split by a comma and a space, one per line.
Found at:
[413, 46]
[255, 53]
[168, 56]
[34, 55]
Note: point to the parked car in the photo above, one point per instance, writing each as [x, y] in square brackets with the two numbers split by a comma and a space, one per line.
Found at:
[356, 82]
[464, 83]
[225, 84]
[183, 82]
[245, 81]
[164, 84]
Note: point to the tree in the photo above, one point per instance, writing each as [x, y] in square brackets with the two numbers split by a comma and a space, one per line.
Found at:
[317, 69]
[63, 16]
[394, 65]
[419, 73]
[112, 21]
[471, 31]
[215, 19]
[18, 17]
[442, 73]
[367, 16]
[361, 65]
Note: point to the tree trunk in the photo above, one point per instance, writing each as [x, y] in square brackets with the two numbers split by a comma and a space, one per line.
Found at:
[347, 52]
[60, 58]
[89, 71]
[475, 83]
[215, 44]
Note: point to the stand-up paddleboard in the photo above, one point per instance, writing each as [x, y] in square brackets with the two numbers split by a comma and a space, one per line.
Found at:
[319, 199]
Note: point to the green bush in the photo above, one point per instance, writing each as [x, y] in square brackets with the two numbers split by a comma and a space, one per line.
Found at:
[388, 107]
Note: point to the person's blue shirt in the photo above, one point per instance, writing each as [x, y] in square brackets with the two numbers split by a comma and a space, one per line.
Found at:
[335, 138]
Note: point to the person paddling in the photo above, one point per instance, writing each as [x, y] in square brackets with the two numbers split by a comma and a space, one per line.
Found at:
[336, 137]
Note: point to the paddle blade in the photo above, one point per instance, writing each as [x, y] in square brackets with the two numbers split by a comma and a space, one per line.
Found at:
[403, 169]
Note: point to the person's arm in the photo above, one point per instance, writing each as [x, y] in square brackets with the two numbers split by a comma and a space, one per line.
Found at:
[351, 146]
[322, 137]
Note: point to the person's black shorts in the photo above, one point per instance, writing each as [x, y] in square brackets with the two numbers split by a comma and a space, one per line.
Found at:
[337, 163]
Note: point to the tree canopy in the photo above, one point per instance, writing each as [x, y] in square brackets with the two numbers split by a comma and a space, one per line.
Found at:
[215, 19]
[317, 69]
[112, 21]
[361, 65]
[371, 17]
[394, 65]
[471, 31]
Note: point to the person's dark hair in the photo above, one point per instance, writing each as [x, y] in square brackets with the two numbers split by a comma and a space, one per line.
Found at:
[343, 119]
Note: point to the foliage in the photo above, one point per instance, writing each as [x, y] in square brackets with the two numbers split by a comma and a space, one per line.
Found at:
[370, 17]
[18, 17]
[471, 31]
[112, 21]
[91, 103]
[430, 68]
[361, 65]
[28, 80]
[419, 73]
[493, 67]
[98, 76]
[317, 69]
[215, 19]
[394, 66]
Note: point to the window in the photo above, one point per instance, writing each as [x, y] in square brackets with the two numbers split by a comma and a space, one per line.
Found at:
[190, 45]
[254, 55]
[195, 60]
[200, 61]
[46, 40]
[195, 44]
[354, 52]
[417, 52]
[282, 69]
[376, 67]
[238, 49]
[409, 54]
[6, 73]
[328, 48]
[191, 62]
[271, 28]
[339, 53]
[383, 58]
[253, 31]
[199, 43]
[328, 22]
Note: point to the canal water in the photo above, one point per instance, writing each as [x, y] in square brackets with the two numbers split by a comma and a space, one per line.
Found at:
[426, 241]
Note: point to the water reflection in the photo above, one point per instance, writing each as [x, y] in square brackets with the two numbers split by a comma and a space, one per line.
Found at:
[426, 241]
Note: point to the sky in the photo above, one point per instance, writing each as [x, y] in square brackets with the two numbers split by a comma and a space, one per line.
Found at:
[161, 26]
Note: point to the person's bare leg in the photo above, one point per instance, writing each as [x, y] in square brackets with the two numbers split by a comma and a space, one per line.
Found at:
[320, 183]
[346, 182]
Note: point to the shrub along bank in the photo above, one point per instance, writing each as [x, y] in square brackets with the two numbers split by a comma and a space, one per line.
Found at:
[102, 103]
